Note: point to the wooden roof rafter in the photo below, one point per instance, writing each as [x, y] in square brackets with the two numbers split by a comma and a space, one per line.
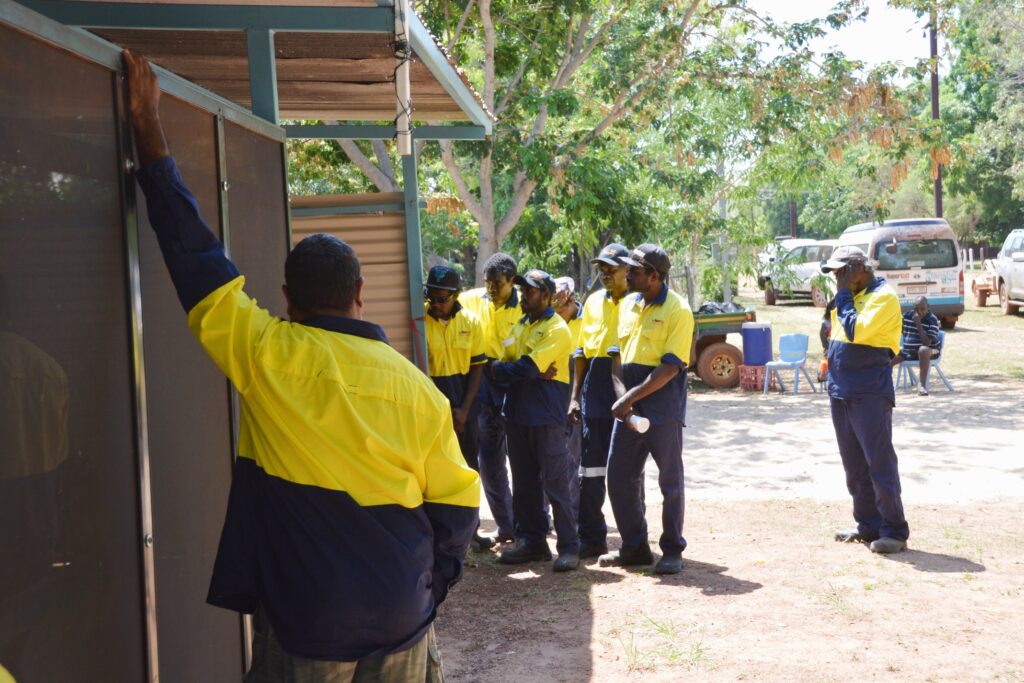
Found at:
[324, 59]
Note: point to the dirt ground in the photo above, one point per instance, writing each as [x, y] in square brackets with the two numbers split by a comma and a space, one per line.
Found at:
[765, 593]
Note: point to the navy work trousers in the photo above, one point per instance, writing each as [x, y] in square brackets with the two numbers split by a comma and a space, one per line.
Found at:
[469, 442]
[626, 460]
[864, 432]
[492, 458]
[540, 465]
[597, 437]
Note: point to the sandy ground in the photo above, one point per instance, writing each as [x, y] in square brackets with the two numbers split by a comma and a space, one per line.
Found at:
[765, 593]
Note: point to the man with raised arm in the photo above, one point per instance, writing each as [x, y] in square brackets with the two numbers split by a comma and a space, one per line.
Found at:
[351, 507]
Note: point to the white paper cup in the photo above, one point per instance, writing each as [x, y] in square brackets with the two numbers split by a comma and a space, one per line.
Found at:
[640, 424]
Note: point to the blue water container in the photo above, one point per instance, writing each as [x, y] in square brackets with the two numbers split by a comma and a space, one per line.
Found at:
[757, 343]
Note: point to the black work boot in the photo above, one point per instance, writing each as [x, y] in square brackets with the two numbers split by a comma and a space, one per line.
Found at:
[625, 558]
[854, 536]
[521, 553]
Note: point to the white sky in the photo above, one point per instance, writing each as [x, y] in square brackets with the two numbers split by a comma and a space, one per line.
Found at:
[887, 34]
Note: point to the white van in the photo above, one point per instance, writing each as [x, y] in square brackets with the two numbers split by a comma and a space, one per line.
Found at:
[917, 257]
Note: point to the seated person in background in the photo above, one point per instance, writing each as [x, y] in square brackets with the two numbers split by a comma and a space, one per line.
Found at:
[920, 340]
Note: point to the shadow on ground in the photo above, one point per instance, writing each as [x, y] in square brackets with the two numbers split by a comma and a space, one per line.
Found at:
[936, 562]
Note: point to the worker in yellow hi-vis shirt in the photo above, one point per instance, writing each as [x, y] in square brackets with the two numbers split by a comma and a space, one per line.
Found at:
[497, 306]
[649, 374]
[351, 507]
[535, 368]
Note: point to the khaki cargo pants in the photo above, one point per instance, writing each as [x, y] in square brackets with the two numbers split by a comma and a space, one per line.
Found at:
[271, 664]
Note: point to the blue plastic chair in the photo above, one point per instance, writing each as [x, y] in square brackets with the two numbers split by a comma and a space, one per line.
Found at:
[906, 378]
[792, 354]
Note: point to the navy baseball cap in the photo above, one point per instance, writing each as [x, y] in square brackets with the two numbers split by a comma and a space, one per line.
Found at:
[650, 256]
[443, 277]
[611, 255]
[537, 279]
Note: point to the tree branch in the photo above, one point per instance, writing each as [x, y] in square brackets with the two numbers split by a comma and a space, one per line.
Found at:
[524, 187]
[458, 29]
[376, 176]
[471, 202]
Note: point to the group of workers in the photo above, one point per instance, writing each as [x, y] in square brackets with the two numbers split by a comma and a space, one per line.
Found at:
[355, 494]
[548, 385]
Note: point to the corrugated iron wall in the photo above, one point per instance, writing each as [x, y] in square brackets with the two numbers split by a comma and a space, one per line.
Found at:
[379, 241]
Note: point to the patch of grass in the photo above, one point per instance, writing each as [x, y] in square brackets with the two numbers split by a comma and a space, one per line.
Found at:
[549, 619]
[675, 646]
[834, 597]
[868, 586]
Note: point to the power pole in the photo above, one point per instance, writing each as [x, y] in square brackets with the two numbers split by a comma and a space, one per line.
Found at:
[933, 39]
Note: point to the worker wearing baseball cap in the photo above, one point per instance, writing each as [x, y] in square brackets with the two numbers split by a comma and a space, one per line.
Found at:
[867, 326]
[455, 360]
[593, 393]
[535, 368]
[649, 373]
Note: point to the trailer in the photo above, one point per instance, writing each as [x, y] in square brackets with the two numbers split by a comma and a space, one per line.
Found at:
[716, 361]
[986, 283]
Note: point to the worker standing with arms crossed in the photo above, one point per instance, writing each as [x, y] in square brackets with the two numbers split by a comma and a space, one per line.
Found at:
[535, 368]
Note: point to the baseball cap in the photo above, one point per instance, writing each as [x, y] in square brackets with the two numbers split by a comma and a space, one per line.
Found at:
[842, 256]
[443, 277]
[612, 254]
[649, 255]
[565, 288]
[537, 279]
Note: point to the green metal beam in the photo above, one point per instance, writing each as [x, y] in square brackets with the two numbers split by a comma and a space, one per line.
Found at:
[262, 73]
[143, 15]
[319, 211]
[414, 251]
[370, 132]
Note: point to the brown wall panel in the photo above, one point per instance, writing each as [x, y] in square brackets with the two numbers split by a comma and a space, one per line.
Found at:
[190, 438]
[379, 241]
[70, 579]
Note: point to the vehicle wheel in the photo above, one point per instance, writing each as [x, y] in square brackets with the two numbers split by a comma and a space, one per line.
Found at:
[947, 323]
[769, 294]
[719, 366]
[980, 298]
[1004, 300]
[819, 296]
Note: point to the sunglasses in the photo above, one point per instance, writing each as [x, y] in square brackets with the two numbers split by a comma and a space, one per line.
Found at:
[438, 299]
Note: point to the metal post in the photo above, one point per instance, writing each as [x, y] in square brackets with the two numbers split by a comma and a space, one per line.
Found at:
[934, 44]
[414, 251]
[262, 73]
[130, 219]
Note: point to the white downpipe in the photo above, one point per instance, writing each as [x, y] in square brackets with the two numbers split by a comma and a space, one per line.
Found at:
[403, 105]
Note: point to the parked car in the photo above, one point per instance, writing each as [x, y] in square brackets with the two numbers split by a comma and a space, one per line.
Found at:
[793, 276]
[774, 251]
[916, 256]
[1009, 264]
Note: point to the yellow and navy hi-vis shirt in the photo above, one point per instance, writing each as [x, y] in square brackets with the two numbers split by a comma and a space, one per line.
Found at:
[866, 331]
[351, 506]
[533, 401]
[497, 323]
[649, 335]
[453, 347]
[598, 333]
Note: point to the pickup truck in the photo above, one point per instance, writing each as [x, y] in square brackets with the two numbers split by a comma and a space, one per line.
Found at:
[1009, 265]
[714, 360]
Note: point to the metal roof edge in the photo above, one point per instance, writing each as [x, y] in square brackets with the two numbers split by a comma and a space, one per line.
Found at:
[450, 76]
